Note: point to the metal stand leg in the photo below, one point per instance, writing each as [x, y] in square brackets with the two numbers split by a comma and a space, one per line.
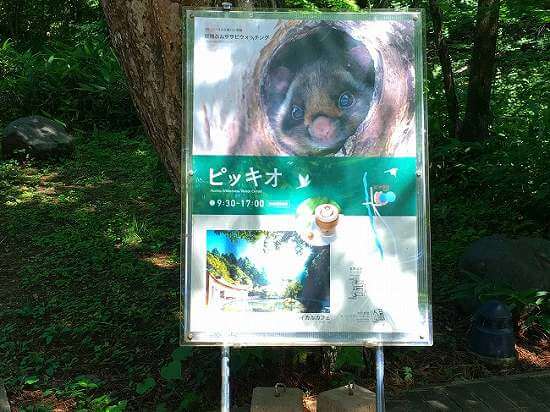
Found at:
[380, 402]
[226, 398]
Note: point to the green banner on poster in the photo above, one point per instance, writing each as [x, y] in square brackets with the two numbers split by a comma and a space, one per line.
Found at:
[264, 185]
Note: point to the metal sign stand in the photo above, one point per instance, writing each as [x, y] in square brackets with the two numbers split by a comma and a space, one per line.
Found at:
[225, 395]
[225, 390]
[380, 401]
[225, 351]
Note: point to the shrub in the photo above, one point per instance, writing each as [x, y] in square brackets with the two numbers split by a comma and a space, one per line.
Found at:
[80, 84]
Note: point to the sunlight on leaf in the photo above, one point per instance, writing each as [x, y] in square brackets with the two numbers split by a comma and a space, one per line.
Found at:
[146, 386]
[171, 371]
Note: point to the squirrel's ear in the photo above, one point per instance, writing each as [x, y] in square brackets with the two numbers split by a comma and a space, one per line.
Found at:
[279, 80]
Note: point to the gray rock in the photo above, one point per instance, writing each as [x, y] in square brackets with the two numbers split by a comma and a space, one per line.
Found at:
[521, 264]
[37, 136]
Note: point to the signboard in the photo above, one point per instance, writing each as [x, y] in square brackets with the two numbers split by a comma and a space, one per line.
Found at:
[306, 180]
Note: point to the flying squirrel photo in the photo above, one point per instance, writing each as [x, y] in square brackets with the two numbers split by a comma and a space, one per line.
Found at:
[316, 97]
[331, 88]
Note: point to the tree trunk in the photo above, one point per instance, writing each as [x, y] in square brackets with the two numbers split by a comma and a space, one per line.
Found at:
[13, 21]
[482, 66]
[146, 35]
[446, 68]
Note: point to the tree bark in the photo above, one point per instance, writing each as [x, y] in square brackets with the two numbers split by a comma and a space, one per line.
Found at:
[147, 37]
[446, 68]
[13, 21]
[482, 66]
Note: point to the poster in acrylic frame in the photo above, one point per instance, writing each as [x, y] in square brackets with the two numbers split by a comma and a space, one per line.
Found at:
[306, 182]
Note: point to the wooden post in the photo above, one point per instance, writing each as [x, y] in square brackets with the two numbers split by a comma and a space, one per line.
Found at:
[349, 398]
[277, 399]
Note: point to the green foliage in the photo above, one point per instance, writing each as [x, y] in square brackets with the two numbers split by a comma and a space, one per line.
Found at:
[258, 277]
[55, 60]
[239, 276]
[146, 386]
[248, 235]
[189, 401]
[408, 375]
[499, 185]
[171, 371]
[35, 22]
[31, 380]
[350, 357]
[92, 244]
[80, 82]
[217, 267]
[182, 353]
[231, 270]
[533, 306]
[246, 360]
[220, 268]
[293, 290]
[316, 5]
[91, 317]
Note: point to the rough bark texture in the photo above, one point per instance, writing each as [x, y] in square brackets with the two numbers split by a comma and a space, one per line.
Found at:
[478, 114]
[446, 68]
[146, 35]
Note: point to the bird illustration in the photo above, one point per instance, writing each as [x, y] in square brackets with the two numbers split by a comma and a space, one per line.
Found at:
[392, 171]
[304, 181]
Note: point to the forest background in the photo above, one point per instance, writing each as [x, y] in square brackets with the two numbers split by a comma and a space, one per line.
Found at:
[89, 245]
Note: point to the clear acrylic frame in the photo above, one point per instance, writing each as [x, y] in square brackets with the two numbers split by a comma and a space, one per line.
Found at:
[191, 332]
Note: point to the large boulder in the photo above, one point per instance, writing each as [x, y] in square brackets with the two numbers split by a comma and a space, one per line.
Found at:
[521, 264]
[37, 136]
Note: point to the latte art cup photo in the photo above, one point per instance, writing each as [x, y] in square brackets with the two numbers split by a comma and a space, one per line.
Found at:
[326, 218]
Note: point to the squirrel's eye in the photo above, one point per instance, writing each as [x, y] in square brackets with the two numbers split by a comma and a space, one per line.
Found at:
[297, 113]
[346, 100]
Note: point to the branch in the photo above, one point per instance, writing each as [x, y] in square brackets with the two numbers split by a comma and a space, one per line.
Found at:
[446, 68]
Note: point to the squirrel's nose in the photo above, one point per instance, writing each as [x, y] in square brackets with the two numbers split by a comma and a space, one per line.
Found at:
[322, 128]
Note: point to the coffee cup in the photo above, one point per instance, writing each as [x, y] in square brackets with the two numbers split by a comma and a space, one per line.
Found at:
[326, 218]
